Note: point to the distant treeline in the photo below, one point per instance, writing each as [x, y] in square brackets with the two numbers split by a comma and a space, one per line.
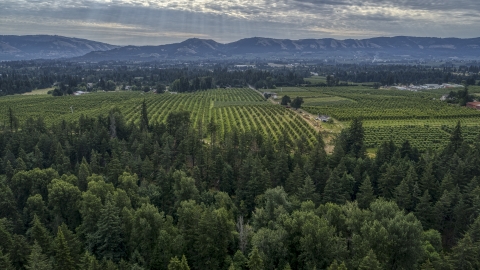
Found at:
[21, 77]
[401, 74]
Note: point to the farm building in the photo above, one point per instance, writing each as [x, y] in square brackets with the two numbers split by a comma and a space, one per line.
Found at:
[271, 94]
[473, 105]
[79, 93]
[323, 118]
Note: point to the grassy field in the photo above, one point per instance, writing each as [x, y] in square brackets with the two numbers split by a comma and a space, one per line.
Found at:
[316, 79]
[38, 92]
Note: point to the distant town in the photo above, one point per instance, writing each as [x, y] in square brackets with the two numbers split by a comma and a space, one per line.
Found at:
[416, 88]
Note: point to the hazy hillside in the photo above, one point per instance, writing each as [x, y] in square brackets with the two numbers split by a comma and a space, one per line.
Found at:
[383, 47]
[47, 47]
[53, 47]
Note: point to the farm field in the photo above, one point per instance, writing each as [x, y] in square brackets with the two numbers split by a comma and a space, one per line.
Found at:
[38, 92]
[316, 79]
[419, 117]
[242, 109]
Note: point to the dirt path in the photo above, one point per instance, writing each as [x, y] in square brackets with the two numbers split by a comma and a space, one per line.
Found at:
[253, 88]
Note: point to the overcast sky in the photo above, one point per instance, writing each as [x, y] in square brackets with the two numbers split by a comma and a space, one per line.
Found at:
[138, 22]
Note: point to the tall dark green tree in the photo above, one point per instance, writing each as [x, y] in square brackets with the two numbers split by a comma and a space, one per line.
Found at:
[63, 258]
[424, 211]
[308, 191]
[285, 100]
[83, 174]
[255, 262]
[37, 260]
[365, 194]
[40, 236]
[144, 123]
[354, 139]
[110, 243]
[5, 262]
[370, 262]
[176, 264]
[297, 103]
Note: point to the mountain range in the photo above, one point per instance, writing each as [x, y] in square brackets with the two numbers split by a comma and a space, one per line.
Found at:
[402, 47]
[47, 47]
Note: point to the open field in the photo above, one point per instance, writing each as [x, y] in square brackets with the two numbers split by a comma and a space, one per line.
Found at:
[38, 92]
[326, 101]
[242, 109]
[316, 79]
[419, 117]
[387, 114]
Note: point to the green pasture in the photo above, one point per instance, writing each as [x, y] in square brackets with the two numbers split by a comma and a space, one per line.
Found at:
[316, 79]
[38, 92]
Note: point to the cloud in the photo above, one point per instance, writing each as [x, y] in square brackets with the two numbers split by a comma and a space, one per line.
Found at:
[163, 21]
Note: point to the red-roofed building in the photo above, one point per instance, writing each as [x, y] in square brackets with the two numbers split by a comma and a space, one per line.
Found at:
[474, 105]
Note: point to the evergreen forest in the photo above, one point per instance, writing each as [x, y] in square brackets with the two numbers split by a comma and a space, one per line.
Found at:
[106, 193]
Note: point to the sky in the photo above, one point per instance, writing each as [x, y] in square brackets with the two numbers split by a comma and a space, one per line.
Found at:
[140, 22]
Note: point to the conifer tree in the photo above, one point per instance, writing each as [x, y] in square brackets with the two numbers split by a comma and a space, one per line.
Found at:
[456, 139]
[255, 262]
[37, 260]
[337, 266]
[39, 234]
[427, 265]
[424, 211]
[75, 245]
[465, 254]
[307, 191]
[109, 237]
[365, 194]
[294, 181]
[114, 169]
[333, 190]
[176, 264]
[19, 251]
[94, 162]
[474, 231]
[447, 184]
[38, 158]
[144, 126]
[403, 195]
[337, 155]
[354, 140]
[6, 237]
[21, 166]
[83, 174]
[239, 260]
[147, 169]
[347, 183]
[5, 262]
[63, 259]
[89, 262]
[9, 171]
[370, 262]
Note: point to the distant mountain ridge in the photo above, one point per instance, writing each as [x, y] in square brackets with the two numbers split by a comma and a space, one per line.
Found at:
[415, 47]
[47, 47]
[401, 47]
